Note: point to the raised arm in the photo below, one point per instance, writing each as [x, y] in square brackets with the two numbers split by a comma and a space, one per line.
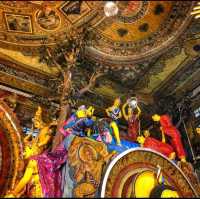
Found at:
[163, 135]
[124, 111]
[44, 140]
[26, 178]
[139, 111]
[120, 114]
[108, 112]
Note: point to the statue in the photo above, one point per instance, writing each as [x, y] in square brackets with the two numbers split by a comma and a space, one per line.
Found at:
[45, 132]
[154, 144]
[115, 114]
[79, 123]
[103, 133]
[132, 116]
[42, 177]
[170, 130]
[34, 147]
[30, 176]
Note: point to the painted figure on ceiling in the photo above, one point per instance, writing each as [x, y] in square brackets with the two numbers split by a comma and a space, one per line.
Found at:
[115, 114]
[132, 116]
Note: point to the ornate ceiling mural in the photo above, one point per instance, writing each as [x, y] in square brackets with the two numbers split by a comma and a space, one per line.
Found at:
[141, 29]
[139, 49]
[29, 24]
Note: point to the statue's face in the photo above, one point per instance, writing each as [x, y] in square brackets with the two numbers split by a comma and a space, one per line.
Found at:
[146, 133]
[37, 124]
[81, 113]
[156, 118]
[90, 111]
[117, 102]
[198, 130]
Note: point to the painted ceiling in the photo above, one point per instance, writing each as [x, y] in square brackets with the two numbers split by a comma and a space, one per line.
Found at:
[142, 49]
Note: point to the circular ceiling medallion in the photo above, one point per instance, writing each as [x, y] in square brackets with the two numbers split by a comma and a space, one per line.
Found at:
[134, 173]
[130, 11]
[142, 30]
[48, 19]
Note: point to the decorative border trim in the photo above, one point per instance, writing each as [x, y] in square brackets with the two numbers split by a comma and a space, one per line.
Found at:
[113, 162]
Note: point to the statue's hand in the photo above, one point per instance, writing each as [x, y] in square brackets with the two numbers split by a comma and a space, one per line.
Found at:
[55, 122]
[141, 139]
[183, 159]
[119, 144]
[9, 195]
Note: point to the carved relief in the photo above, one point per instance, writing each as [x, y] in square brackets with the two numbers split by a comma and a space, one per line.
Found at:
[87, 158]
[110, 47]
[131, 11]
[48, 19]
[18, 23]
[74, 10]
[134, 163]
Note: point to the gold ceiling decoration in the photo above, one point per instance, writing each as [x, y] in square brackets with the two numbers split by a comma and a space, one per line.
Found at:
[140, 29]
[127, 45]
[196, 11]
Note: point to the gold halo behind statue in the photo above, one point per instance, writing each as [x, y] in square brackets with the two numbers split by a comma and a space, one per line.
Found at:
[144, 184]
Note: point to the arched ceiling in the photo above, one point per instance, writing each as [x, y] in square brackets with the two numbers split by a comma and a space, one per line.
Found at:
[141, 48]
[141, 29]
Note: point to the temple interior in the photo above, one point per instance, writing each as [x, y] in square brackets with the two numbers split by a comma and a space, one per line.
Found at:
[99, 99]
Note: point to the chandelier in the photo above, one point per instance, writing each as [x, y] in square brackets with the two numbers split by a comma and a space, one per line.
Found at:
[110, 8]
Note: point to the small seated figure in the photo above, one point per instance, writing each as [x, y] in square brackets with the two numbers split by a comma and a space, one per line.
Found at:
[115, 114]
[103, 133]
[170, 130]
[132, 116]
[80, 113]
[79, 123]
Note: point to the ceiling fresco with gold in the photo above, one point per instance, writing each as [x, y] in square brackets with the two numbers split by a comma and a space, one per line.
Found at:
[141, 49]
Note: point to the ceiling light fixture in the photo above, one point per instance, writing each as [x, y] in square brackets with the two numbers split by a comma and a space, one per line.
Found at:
[110, 8]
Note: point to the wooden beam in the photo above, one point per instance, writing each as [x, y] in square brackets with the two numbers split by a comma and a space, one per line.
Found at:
[24, 85]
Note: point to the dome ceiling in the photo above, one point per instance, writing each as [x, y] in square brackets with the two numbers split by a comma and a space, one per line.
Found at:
[141, 28]
[140, 49]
